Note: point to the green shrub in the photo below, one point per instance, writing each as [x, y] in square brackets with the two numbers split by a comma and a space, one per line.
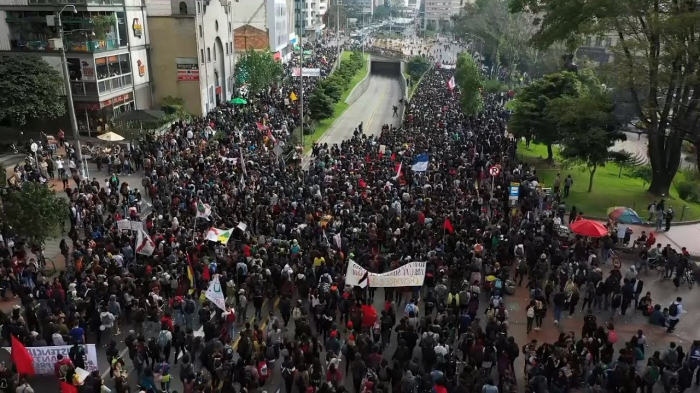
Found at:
[494, 86]
[685, 190]
[642, 172]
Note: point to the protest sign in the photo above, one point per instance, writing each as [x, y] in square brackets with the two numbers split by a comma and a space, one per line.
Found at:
[215, 295]
[128, 225]
[45, 357]
[409, 275]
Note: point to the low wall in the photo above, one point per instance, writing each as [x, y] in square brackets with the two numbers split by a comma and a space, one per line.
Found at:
[361, 87]
[404, 89]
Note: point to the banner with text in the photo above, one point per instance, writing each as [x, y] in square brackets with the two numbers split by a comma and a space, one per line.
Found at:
[409, 275]
[310, 72]
[45, 357]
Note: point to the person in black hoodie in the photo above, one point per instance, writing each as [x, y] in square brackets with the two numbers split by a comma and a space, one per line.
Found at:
[627, 296]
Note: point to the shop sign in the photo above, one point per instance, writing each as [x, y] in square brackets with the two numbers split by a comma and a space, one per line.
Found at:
[117, 100]
[187, 69]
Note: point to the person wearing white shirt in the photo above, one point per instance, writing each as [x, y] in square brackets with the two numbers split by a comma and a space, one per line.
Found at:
[674, 317]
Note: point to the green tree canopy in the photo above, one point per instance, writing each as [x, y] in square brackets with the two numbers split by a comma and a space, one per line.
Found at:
[32, 89]
[502, 36]
[588, 129]
[530, 120]
[320, 105]
[417, 66]
[469, 79]
[656, 59]
[258, 70]
[35, 212]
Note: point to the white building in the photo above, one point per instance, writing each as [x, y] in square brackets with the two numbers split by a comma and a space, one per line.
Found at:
[106, 44]
[192, 51]
[315, 11]
[265, 24]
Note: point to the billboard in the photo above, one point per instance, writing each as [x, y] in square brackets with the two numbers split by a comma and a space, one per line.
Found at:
[277, 24]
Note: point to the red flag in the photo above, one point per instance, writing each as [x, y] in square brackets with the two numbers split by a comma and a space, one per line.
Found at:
[381, 154]
[68, 388]
[367, 158]
[270, 136]
[260, 126]
[448, 226]
[205, 274]
[393, 156]
[362, 183]
[21, 358]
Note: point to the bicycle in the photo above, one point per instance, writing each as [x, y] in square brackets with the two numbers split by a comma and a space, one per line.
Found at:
[688, 277]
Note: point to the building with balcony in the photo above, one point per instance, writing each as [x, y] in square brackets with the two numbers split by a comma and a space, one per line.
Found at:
[193, 51]
[263, 25]
[315, 10]
[106, 44]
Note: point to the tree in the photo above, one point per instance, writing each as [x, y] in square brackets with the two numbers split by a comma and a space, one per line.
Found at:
[32, 89]
[622, 158]
[35, 212]
[332, 87]
[258, 70]
[656, 59]
[320, 105]
[469, 79]
[588, 127]
[503, 36]
[417, 66]
[529, 119]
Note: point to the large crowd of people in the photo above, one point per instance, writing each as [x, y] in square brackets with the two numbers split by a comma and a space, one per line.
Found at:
[294, 232]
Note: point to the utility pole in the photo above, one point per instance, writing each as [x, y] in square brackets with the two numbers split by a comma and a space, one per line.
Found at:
[69, 92]
[338, 3]
[301, 87]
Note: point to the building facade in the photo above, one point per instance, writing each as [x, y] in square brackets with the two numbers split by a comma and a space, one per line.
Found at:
[192, 51]
[313, 15]
[263, 25]
[442, 10]
[106, 43]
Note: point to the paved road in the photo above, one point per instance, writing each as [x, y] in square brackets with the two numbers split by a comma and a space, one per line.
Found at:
[373, 108]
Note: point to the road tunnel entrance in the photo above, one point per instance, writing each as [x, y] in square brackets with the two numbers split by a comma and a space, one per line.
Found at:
[386, 68]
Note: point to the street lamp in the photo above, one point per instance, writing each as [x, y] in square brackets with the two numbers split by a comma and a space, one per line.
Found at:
[69, 93]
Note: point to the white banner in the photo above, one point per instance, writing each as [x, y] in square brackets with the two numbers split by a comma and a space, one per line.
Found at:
[310, 72]
[409, 275]
[45, 357]
[128, 225]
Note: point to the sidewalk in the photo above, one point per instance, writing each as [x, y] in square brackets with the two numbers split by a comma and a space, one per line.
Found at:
[678, 236]
[52, 250]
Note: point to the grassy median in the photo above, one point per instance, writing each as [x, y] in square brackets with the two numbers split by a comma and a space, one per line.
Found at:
[340, 107]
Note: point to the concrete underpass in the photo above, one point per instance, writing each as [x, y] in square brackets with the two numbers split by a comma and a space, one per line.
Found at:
[371, 102]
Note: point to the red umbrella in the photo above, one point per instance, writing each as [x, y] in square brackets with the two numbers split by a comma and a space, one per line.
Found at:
[589, 228]
[369, 316]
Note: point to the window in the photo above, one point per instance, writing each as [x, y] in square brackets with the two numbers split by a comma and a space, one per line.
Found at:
[199, 7]
[201, 31]
[214, 54]
[599, 41]
[588, 41]
[229, 27]
[608, 41]
[216, 25]
[201, 52]
[183, 8]
[208, 54]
